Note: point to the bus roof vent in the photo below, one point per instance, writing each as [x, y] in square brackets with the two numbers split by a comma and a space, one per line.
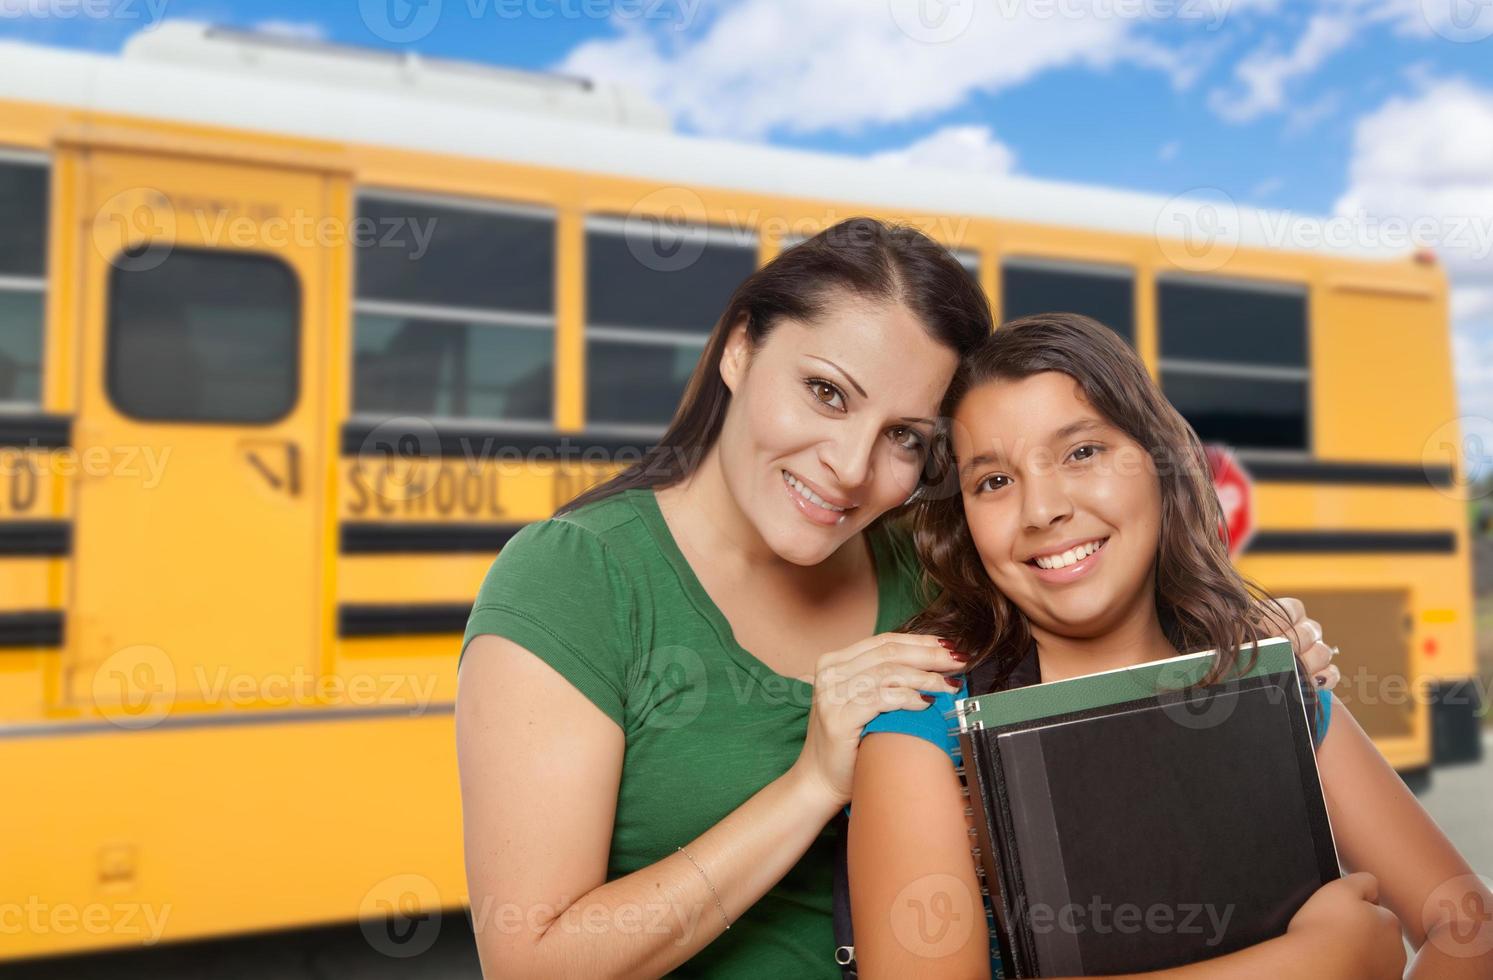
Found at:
[286, 57]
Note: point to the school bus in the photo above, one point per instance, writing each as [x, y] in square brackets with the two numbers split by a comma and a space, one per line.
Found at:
[294, 337]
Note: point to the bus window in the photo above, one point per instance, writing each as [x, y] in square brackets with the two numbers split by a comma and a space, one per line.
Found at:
[1234, 360]
[205, 336]
[1105, 292]
[455, 313]
[653, 292]
[23, 254]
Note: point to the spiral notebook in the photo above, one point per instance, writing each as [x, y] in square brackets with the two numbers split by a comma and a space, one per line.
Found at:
[1134, 820]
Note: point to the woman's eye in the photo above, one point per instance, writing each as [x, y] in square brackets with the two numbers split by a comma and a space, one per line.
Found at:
[907, 438]
[1084, 452]
[827, 394]
[990, 483]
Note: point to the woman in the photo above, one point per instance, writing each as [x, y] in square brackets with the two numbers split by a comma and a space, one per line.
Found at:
[1069, 551]
[651, 734]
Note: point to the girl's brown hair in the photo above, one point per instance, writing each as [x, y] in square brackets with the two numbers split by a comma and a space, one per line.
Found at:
[1201, 599]
[859, 257]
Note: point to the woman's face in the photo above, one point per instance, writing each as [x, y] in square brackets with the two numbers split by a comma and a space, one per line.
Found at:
[829, 422]
[1064, 508]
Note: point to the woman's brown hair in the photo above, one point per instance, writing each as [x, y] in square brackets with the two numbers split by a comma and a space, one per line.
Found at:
[1201, 599]
[859, 257]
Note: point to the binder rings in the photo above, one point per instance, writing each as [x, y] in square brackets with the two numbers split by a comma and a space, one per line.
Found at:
[1133, 820]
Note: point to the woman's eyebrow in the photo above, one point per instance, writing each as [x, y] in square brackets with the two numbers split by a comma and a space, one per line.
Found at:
[853, 383]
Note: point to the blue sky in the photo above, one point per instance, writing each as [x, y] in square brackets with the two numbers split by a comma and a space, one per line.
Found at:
[1378, 108]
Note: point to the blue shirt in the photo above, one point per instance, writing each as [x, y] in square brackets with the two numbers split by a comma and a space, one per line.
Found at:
[936, 724]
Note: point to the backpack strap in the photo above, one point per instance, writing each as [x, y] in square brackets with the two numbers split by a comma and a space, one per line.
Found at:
[844, 940]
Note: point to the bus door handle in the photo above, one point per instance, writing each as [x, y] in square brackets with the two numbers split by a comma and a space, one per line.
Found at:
[288, 479]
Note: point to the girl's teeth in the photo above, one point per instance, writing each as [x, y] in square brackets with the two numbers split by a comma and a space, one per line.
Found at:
[810, 495]
[1070, 556]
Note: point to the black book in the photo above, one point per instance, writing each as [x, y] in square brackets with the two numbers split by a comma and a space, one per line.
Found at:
[1135, 820]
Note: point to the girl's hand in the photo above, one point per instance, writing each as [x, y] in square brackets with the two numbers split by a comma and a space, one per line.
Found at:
[1344, 924]
[854, 685]
[1306, 638]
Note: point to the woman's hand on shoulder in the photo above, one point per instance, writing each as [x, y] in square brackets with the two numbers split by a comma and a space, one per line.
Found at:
[1306, 637]
[885, 672]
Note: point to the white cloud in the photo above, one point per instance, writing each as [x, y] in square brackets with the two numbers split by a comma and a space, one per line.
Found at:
[1428, 158]
[301, 30]
[969, 148]
[762, 66]
[1265, 72]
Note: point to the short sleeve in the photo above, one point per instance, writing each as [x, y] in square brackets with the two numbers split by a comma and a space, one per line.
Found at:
[933, 724]
[1323, 717]
[556, 591]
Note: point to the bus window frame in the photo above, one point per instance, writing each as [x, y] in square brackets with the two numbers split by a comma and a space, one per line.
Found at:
[1098, 268]
[298, 362]
[468, 316]
[41, 284]
[1304, 374]
[611, 223]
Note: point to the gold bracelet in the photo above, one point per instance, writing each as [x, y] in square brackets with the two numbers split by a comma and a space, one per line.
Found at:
[718, 905]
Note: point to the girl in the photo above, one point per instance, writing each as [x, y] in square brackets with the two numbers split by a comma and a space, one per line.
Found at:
[651, 734]
[1080, 535]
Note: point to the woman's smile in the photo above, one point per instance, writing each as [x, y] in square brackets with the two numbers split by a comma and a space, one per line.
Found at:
[813, 505]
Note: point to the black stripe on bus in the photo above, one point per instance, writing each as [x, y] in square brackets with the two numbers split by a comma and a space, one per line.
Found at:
[1362, 474]
[419, 619]
[42, 628]
[1352, 542]
[380, 538]
[478, 442]
[35, 430]
[33, 538]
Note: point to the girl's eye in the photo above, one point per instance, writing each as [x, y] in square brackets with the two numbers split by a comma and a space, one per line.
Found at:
[907, 438]
[827, 394]
[1084, 452]
[989, 483]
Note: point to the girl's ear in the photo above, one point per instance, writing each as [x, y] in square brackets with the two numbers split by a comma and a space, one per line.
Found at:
[736, 355]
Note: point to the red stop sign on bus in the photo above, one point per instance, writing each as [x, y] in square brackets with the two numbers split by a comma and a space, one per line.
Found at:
[1235, 496]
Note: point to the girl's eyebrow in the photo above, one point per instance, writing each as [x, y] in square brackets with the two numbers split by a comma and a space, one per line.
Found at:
[1085, 424]
[853, 383]
[1081, 425]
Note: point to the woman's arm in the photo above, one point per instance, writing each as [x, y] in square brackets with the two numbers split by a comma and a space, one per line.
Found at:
[1446, 911]
[540, 769]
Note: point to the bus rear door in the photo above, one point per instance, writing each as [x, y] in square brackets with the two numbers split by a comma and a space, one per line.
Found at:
[198, 576]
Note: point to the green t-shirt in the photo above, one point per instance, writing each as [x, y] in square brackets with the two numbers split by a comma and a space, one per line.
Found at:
[604, 595]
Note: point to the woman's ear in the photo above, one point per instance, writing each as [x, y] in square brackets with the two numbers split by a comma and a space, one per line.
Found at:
[736, 355]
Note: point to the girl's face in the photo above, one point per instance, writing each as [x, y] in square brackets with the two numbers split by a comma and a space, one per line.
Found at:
[1064, 508]
[829, 423]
